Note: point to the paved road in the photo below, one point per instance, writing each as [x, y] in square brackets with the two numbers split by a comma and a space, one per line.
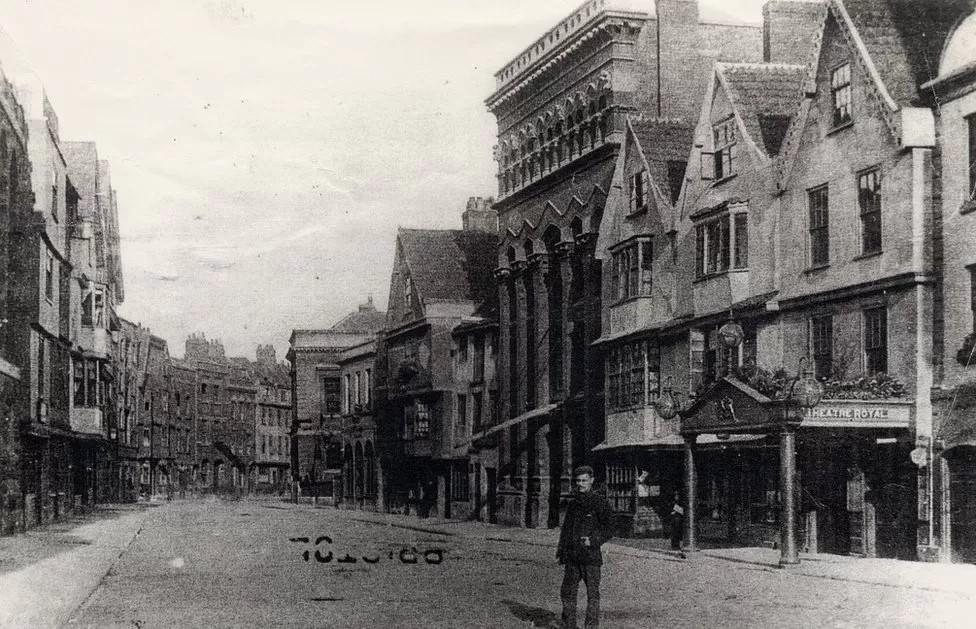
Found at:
[231, 564]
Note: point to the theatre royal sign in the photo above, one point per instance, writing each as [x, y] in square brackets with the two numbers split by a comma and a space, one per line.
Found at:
[858, 414]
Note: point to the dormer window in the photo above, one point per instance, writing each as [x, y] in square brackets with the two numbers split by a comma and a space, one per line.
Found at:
[723, 152]
[640, 184]
[840, 93]
[723, 138]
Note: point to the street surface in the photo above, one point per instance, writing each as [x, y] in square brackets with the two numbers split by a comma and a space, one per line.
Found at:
[232, 564]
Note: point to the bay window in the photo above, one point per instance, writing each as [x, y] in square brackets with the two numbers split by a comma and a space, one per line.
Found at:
[633, 374]
[632, 269]
[716, 239]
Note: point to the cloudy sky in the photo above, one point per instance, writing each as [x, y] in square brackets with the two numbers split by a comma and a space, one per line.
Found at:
[265, 152]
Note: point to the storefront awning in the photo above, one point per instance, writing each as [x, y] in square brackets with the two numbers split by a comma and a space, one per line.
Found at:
[674, 442]
[536, 412]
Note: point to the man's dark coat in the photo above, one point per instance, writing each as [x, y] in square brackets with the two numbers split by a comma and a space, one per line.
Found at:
[588, 515]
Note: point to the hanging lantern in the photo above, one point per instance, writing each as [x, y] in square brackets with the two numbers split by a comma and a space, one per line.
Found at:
[730, 335]
[806, 391]
[667, 405]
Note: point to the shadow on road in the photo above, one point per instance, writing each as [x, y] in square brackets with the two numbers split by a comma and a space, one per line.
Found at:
[536, 615]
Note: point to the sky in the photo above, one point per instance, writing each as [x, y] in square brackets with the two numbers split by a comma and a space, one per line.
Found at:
[265, 152]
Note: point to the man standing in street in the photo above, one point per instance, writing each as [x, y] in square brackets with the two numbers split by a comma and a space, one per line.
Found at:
[585, 528]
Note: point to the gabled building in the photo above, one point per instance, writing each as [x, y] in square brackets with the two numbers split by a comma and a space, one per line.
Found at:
[439, 277]
[561, 107]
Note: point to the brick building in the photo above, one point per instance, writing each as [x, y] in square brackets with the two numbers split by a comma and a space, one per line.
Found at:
[272, 422]
[439, 277]
[561, 107]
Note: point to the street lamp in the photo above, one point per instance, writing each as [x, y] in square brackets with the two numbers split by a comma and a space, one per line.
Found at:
[667, 404]
[805, 393]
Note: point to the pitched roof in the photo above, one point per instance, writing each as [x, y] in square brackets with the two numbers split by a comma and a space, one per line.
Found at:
[367, 319]
[904, 39]
[766, 96]
[663, 141]
[450, 265]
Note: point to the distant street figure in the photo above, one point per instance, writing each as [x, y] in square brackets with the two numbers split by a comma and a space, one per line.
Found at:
[586, 527]
[676, 520]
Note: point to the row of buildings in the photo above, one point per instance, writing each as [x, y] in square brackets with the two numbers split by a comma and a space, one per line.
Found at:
[92, 407]
[685, 210]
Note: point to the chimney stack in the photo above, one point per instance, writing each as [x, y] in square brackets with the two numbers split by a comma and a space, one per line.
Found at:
[479, 215]
[788, 30]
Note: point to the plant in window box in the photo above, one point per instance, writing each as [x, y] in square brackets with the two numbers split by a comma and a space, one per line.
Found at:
[879, 386]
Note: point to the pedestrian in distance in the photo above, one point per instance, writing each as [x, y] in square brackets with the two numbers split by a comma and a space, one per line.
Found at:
[585, 528]
[676, 519]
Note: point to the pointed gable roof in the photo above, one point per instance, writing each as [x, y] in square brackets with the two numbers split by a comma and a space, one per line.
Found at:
[765, 97]
[903, 39]
[449, 264]
[662, 141]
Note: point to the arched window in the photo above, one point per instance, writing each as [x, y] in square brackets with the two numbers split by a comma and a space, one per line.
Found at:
[559, 142]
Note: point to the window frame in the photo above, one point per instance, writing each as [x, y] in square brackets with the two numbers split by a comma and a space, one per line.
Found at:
[640, 188]
[877, 353]
[722, 228]
[632, 269]
[843, 114]
[872, 210]
[822, 345]
[724, 153]
[633, 371]
[819, 234]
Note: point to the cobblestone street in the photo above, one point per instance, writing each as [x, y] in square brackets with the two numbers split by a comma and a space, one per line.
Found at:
[222, 564]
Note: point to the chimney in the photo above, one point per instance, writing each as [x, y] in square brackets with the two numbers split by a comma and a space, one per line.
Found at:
[368, 306]
[479, 215]
[266, 355]
[789, 27]
[681, 69]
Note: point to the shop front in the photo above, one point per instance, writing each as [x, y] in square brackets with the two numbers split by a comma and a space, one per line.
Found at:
[833, 477]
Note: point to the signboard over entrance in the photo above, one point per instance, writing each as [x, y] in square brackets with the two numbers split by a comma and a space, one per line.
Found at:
[858, 414]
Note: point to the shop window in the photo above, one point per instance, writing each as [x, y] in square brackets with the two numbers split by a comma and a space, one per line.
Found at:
[422, 421]
[876, 340]
[763, 487]
[869, 203]
[840, 93]
[460, 490]
[632, 272]
[818, 203]
[822, 345]
[621, 482]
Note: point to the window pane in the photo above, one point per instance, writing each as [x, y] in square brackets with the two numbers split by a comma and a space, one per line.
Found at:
[869, 201]
[741, 241]
[647, 259]
[819, 232]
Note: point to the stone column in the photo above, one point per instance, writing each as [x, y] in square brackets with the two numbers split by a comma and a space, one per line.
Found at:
[565, 274]
[522, 350]
[787, 480]
[691, 496]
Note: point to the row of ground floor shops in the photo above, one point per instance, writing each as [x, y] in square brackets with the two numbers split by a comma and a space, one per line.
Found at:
[60, 474]
[847, 478]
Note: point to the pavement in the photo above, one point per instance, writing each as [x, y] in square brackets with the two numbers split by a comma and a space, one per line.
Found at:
[220, 563]
[954, 578]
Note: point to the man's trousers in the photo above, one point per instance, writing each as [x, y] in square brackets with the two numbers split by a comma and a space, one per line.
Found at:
[590, 575]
